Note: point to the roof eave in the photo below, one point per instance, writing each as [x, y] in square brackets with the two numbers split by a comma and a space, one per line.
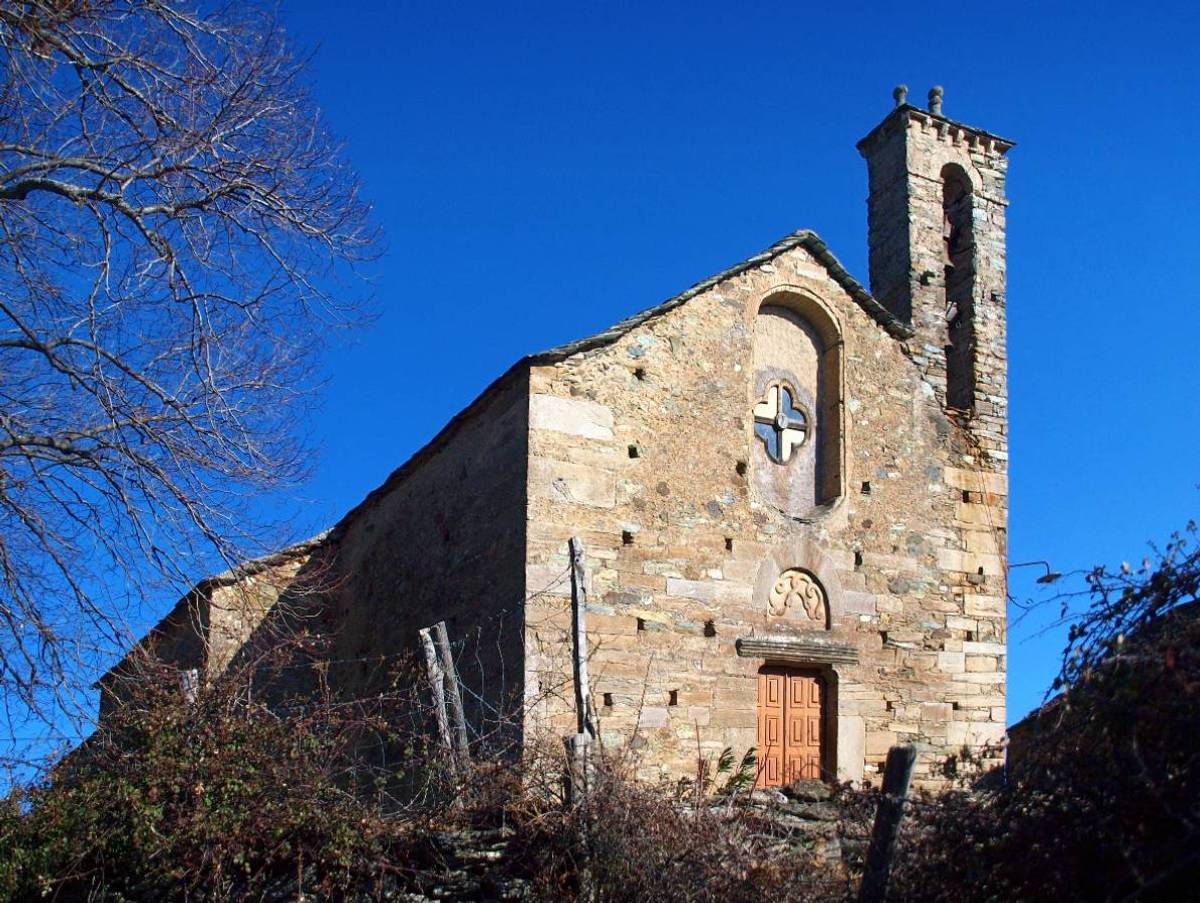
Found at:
[805, 238]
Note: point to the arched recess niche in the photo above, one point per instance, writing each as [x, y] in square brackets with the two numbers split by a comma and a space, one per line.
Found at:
[798, 639]
[801, 554]
[797, 349]
[958, 236]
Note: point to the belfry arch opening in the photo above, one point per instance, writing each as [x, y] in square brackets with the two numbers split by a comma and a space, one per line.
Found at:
[958, 236]
[796, 411]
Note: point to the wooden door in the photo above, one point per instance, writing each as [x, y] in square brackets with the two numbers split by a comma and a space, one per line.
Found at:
[772, 690]
[789, 725]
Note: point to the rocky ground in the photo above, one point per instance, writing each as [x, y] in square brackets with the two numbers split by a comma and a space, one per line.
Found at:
[477, 865]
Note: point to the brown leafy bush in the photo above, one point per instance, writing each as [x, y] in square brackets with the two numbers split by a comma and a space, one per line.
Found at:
[207, 796]
[637, 841]
[211, 798]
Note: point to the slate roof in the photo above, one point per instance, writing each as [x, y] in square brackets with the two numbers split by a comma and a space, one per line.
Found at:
[1002, 144]
[805, 238]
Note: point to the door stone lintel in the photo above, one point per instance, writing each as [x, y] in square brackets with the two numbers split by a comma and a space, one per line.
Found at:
[802, 650]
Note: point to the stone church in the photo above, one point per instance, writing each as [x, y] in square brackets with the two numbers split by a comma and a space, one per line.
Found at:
[791, 492]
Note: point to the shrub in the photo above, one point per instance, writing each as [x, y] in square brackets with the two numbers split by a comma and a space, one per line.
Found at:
[1103, 794]
[212, 799]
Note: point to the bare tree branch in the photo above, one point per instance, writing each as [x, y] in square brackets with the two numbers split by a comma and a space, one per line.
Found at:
[172, 212]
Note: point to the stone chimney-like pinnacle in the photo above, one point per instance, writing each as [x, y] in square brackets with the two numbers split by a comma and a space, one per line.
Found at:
[935, 100]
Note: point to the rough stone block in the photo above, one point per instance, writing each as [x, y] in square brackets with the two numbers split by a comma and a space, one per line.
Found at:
[951, 662]
[573, 416]
[879, 742]
[976, 480]
[858, 603]
[651, 717]
[984, 648]
[851, 747]
[983, 542]
[571, 484]
[981, 663]
[936, 711]
[548, 580]
[969, 562]
[984, 606]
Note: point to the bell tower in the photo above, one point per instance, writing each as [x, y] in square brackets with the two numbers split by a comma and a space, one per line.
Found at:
[935, 216]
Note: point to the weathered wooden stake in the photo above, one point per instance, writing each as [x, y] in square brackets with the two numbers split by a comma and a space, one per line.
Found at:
[583, 701]
[897, 774]
[189, 681]
[456, 704]
[437, 686]
[579, 746]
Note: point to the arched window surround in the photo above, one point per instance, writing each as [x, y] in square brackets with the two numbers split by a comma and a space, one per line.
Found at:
[826, 328]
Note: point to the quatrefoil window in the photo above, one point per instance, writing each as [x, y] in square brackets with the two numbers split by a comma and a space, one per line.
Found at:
[781, 422]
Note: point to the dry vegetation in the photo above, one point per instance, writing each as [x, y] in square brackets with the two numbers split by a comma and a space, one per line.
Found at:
[223, 798]
[1102, 800]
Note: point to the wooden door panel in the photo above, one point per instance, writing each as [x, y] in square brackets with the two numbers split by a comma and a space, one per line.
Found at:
[772, 684]
[789, 725]
[771, 772]
[773, 698]
[797, 691]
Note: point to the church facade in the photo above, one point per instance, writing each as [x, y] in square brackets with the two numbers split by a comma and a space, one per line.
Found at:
[791, 492]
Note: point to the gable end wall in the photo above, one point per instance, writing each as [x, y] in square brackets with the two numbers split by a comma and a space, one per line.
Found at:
[681, 553]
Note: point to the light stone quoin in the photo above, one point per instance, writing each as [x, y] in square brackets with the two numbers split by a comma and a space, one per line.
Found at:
[779, 478]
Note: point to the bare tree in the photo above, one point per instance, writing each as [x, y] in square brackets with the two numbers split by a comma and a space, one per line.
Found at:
[173, 211]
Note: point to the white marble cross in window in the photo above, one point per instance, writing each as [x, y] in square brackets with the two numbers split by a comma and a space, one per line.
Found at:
[780, 423]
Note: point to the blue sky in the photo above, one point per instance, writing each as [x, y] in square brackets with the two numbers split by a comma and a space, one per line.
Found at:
[542, 171]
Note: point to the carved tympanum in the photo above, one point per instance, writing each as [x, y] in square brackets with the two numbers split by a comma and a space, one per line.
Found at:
[797, 590]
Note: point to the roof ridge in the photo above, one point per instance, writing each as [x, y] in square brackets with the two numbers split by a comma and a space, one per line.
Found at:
[801, 238]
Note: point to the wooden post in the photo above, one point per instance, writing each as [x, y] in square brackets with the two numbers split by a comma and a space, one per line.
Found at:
[437, 686]
[189, 681]
[456, 705]
[897, 774]
[579, 746]
[583, 701]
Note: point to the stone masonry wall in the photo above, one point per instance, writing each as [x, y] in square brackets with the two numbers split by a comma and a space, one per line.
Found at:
[640, 448]
[443, 539]
[906, 155]
[210, 629]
